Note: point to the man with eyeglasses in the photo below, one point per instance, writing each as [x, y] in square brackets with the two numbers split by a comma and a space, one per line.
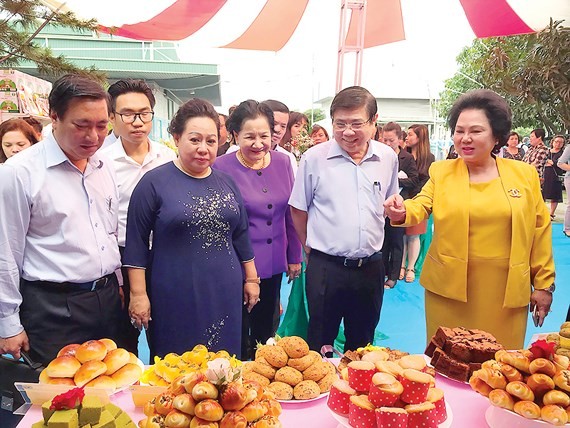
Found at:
[58, 230]
[133, 154]
[337, 208]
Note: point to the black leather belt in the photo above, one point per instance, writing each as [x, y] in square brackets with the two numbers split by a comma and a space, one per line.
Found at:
[349, 263]
[68, 287]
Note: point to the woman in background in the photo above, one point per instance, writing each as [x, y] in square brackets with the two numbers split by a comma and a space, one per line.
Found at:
[552, 186]
[417, 143]
[564, 164]
[512, 151]
[319, 134]
[15, 136]
[297, 123]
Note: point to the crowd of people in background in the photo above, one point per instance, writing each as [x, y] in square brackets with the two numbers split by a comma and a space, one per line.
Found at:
[193, 245]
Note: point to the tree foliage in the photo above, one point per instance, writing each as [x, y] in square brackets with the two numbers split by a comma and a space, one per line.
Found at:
[21, 21]
[531, 71]
[314, 115]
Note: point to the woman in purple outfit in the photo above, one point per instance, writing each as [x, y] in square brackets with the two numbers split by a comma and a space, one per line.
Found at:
[265, 180]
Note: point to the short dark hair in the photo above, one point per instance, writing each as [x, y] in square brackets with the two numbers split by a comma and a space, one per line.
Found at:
[71, 86]
[495, 107]
[126, 86]
[393, 127]
[514, 133]
[352, 98]
[34, 123]
[317, 128]
[275, 105]
[16, 125]
[539, 133]
[195, 107]
[247, 110]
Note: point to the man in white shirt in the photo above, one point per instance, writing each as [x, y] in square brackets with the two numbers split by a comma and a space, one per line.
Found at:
[133, 155]
[58, 234]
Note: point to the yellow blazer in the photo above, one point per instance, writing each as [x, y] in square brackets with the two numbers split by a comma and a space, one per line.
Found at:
[445, 266]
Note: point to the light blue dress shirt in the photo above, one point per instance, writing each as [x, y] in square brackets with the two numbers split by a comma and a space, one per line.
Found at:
[344, 201]
[57, 224]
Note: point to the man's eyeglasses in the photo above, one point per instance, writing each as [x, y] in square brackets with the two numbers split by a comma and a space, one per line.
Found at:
[355, 126]
[145, 116]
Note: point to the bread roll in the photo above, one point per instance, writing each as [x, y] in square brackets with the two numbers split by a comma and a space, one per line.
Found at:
[494, 378]
[116, 359]
[255, 386]
[91, 350]
[559, 398]
[209, 410]
[127, 375]
[185, 403]
[204, 390]
[527, 409]
[272, 407]
[561, 380]
[104, 382]
[540, 384]
[109, 344]
[542, 365]
[510, 372]
[89, 371]
[133, 359]
[554, 415]
[68, 350]
[190, 380]
[520, 390]
[202, 423]
[164, 403]
[233, 396]
[253, 411]
[176, 419]
[516, 359]
[65, 366]
[233, 420]
[60, 381]
[266, 421]
[501, 398]
[560, 362]
[479, 386]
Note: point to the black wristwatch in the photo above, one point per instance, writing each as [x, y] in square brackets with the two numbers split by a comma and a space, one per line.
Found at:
[550, 289]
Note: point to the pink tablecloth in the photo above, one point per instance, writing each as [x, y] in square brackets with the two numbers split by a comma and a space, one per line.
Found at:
[467, 406]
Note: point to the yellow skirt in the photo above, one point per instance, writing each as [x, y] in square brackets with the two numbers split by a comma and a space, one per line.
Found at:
[486, 282]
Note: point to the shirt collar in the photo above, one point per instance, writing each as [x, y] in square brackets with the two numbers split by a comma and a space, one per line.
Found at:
[117, 150]
[335, 150]
[55, 156]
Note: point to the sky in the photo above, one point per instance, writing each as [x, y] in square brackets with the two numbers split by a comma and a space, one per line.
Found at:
[304, 71]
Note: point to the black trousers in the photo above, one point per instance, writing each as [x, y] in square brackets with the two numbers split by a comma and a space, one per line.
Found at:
[393, 250]
[129, 335]
[259, 325]
[54, 318]
[335, 292]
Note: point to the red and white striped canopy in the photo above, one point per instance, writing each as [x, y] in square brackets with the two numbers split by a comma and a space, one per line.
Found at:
[273, 25]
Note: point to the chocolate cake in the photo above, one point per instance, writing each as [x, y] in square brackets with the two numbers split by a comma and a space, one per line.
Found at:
[458, 352]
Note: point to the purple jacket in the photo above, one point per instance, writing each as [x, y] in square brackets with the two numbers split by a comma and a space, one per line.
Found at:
[266, 196]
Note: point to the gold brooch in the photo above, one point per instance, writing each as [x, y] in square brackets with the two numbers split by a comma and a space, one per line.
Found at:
[514, 193]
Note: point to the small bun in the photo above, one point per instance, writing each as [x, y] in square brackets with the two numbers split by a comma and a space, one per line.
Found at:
[520, 390]
[68, 350]
[116, 359]
[501, 398]
[542, 365]
[527, 409]
[89, 371]
[91, 350]
[104, 382]
[109, 344]
[63, 367]
[127, 375]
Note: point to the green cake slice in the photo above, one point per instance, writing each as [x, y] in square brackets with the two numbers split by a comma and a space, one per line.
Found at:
[107, 420]
[64, 419]
[39, 424]
[123, 420]
[113, 410]
[46, 411]
[90, 411]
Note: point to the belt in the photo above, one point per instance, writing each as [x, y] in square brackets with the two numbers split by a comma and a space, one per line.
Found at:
[347, 262]
[68, 287]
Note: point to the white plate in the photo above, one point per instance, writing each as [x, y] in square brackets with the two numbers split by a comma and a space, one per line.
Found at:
[323, 395]
[498, 417]
[343, 421]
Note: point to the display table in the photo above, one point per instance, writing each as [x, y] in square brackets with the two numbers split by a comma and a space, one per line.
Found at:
[468, 409]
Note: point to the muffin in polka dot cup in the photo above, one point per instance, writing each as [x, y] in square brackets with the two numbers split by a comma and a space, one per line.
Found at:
[384, 390]
[391, 417]
[435, 396]
[361, 412]
[421, 415]
[416, 386]
[360, 375]
[339, 397]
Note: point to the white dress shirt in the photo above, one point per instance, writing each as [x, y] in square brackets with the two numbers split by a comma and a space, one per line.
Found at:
[279, 149]
[58, 224]
[344, 201]
[129, 172]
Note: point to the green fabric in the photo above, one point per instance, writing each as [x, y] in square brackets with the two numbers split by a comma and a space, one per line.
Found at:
[425, 242]
[296, 319]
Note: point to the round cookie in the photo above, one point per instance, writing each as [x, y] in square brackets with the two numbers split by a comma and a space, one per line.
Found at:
[289, 375]
[306, 390]
[303, 363]
[295, 346]
[282, 390]
[263, 369]
[316, 371]
[262, 380]
[326, 382]
[275, 355]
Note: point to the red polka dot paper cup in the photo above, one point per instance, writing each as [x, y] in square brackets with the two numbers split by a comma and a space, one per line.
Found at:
[339, 397]
[421, 415]
[360, 375]
[361, 412]
[384, 390]
[435, 396]
[416, 386]
[391, 417]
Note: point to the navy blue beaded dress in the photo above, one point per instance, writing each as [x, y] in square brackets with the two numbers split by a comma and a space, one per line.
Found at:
[193, 270]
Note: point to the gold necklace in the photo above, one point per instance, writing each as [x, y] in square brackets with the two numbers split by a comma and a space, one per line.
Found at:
[244, 163]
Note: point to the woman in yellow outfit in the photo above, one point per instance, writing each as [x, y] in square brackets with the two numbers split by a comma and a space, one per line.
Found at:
[491, 256]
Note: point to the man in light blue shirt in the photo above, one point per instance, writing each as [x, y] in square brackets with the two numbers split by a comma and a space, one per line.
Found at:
[58, 234]
[337, 206]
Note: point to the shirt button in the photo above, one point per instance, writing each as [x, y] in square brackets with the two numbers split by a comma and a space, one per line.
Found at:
[102, 247]
[90, 201]
[269, 222]
[269, 241]
[264, 190]
[270, 206]
[96, 224]
[259, 173]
